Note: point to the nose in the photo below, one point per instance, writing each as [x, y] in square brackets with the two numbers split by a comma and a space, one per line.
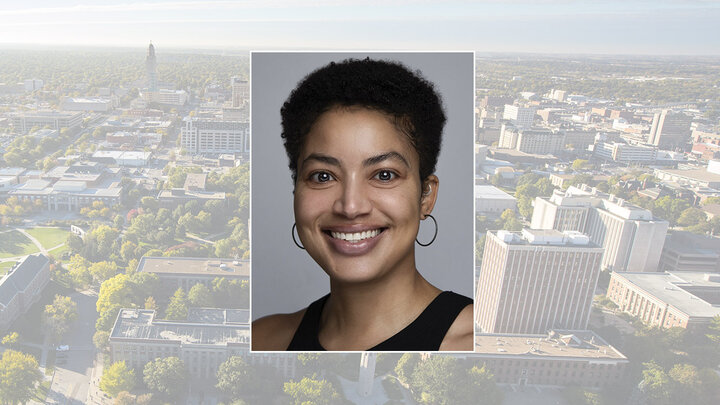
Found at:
[353, 200]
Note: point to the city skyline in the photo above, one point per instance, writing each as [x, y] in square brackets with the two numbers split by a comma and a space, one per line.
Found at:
[610, 27]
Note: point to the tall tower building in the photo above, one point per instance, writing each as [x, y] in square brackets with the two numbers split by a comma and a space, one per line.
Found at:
[521, 117]
[670, 130]
[631, 236]
[151, 68]
[537, 280]
[240, 91]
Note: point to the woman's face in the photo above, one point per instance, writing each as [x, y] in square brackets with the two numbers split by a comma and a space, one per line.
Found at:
[358, 195]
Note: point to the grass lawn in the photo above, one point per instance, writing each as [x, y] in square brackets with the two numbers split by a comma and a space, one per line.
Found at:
[57, 252]
[5, 266]
[49, 237]
[14, 243]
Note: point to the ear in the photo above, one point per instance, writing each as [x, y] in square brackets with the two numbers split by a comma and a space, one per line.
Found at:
[429, 195]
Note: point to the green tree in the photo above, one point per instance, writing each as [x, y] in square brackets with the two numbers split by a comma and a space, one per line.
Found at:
[311, 391]
[436, 381]
[581, 164]
[19, 374]
[406, 366]
[166, 375]
[692, 216]
[59, 315]
[116, 378]
[101, 340]
[200, 296]
[236, 378]
[656, 384]
[509, 221]
[481, 384]
[178, 307]
[102, 271]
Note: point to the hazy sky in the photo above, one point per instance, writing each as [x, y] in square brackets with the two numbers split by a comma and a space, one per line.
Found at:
[557, 26]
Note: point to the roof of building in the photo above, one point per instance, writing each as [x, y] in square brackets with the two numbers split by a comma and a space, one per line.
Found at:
[195, 180]
[195, 266]
[675, 289]
[21, 276]
[695, 174]
[194, 194]
[140, 324]
[491, 192]
[563, 344]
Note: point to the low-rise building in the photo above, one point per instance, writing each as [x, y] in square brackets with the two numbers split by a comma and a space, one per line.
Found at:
[203, 342]
[686, 251]
[680, 299]
[556, 359]
[22, 287]
[185, 272]
[490, 199]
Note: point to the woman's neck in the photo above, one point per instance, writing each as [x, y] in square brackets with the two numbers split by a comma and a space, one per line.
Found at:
[361, 315]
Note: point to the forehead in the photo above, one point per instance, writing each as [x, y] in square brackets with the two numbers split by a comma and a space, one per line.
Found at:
[355, 133]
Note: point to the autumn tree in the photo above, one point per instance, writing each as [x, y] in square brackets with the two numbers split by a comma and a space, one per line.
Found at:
[178, 307]
[166, 375]
[59, 315]
[311, 391]
[19, 374]
[116, 378]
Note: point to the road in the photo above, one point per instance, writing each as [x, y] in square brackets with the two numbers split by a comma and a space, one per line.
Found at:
[75, 377]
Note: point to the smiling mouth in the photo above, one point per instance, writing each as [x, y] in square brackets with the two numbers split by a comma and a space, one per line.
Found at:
[355, 236]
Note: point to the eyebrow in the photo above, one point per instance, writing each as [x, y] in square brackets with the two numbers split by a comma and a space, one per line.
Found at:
[383, 157]
[373, 160]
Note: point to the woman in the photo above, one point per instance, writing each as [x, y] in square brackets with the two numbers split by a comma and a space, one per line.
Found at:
[362, 137]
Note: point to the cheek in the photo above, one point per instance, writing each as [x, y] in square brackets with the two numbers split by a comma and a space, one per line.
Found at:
[308, 206]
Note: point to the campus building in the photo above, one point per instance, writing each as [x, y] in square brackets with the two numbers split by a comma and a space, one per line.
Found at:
[555, 359]
[24, 122]
[185, 272]
[199, 135]
[22, 287]
[536, 280]
[203, 342]
[680, 299]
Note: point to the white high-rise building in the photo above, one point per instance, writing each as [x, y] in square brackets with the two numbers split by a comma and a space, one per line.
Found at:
[536, 281]
[631, 236]
[521, 117]
[214, 136]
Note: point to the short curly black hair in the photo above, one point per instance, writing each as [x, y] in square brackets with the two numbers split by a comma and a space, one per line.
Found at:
[388, 87]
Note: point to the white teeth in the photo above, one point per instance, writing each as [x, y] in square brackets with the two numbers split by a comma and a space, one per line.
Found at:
[356, 236]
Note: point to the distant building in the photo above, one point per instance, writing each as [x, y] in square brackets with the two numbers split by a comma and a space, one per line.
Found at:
[203, 342]
[122, 158]
[214, 136]
[22, 287]
[537, 141]
[625, 153]
[86, 104]
[54, 119]
[151, 68]
[521, 117]
[33, 84]
[631, 236]
[490, 199]
[185, 272]
[682, 299]
[670, 130]
[536, 281]
[240, 91]
[167, 97]
[556, 359]
[690, 177]
[686, 251]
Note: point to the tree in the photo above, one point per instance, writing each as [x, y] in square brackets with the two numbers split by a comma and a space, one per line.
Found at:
[656, 384]
[150, 303]
[581, 164]
[237, 379]
[178, 307]
[311, 391]
[199, 296]
[406, 366]
[101, 340]
[692, 216]
[481, 384]
[166, 375]
[79, 271]
[434, 381]
[11, 339]
[116, 378]
[102, 271]
[509, 221]
[19, 374]
[59, 315]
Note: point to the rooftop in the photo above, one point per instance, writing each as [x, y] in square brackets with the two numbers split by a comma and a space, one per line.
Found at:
[564, 344]
[140, 324]
[675, 289]
[199, 266]
[487, 191]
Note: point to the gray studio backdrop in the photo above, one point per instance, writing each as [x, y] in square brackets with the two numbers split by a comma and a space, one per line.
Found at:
[284, 278]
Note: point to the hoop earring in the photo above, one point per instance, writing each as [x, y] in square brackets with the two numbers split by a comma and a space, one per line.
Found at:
[292, 232]
[434, 235]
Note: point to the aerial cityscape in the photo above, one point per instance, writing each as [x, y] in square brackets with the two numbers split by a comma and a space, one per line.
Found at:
[125, 256]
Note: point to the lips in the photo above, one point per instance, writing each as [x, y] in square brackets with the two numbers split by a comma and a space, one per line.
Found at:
[354, 241]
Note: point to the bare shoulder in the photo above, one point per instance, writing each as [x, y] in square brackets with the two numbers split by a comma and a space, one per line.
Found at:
[274, 332]
[460, 336]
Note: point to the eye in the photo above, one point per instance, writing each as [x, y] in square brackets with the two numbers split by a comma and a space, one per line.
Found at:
[385, 175]
[321, 177]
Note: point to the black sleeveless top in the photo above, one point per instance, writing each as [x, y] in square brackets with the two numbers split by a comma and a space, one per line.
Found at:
[425, 333]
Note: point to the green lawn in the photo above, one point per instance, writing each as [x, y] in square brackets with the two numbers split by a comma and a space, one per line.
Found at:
[57, 252]
[14, 243]
[49, 237]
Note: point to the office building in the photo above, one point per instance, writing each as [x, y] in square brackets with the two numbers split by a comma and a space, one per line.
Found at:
[537, 280]
[540, 142]
[555, 359]
[631, 236]
[490, 199]
[686, 251]
[21, 287]
[95, 104]
[185, 272]
[203, 342]
[54, 119]
[670, 130]
[680, 299]
[199, 135]
[151, 68]
[240, 91]
[625, 153]
[521, 117]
